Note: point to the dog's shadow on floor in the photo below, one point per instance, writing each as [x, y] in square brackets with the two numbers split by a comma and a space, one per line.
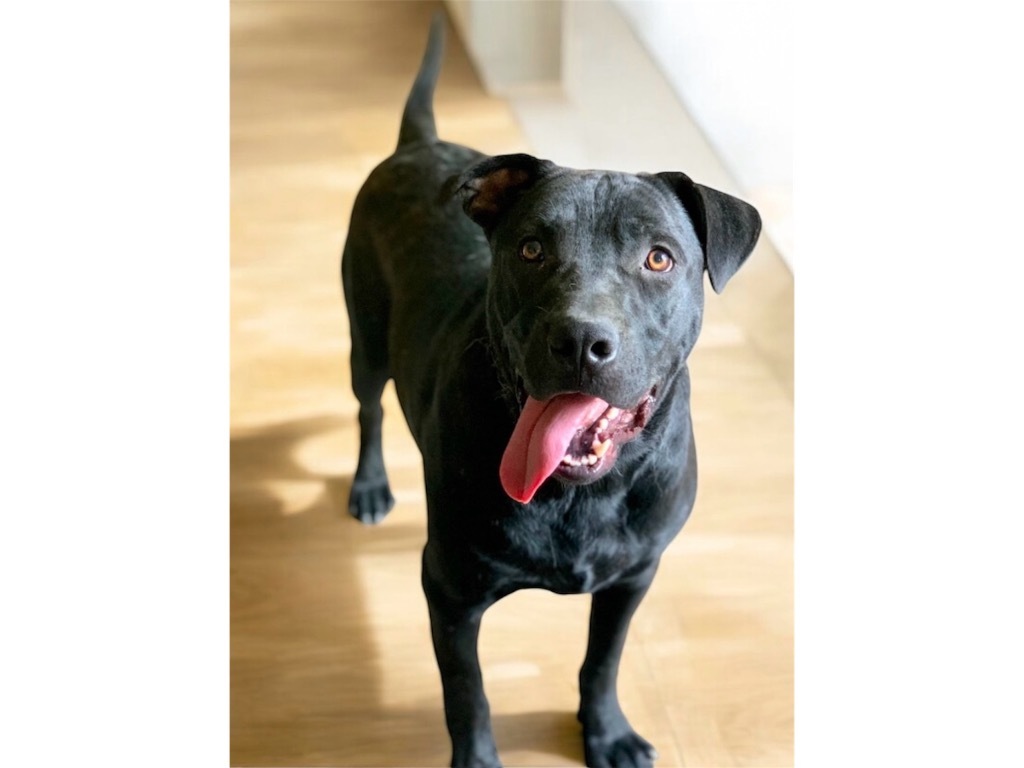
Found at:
[307, 681]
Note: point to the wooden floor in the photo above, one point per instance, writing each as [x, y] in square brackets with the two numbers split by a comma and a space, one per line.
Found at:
[331, 662]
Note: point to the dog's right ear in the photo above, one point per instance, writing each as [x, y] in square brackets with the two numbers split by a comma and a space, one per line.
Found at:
[490, 187]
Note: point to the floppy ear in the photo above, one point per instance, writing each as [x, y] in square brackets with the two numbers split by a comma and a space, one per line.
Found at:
[491, 186]
[726, 226]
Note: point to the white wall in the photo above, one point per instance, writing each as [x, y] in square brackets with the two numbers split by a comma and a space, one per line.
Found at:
[729, 60]
[703, 86]
[511, 42]
[730, 63]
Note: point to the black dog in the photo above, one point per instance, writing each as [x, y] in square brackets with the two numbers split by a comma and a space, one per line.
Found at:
[538, 347]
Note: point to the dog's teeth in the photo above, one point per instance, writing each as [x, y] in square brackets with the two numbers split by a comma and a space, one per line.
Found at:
[602, 448]
[602, 425]
[567, 459]
[612, 412]
[591, 459]
[574, 462]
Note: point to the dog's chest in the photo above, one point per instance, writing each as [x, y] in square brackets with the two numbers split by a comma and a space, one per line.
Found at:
[580, 548]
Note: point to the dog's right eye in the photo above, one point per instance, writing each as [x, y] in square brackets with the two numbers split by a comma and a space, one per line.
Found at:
[532, 251]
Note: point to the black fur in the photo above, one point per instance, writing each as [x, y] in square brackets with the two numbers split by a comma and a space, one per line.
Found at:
[441, 302]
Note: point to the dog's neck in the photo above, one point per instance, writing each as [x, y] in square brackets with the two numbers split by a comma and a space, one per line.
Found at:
[504, 371]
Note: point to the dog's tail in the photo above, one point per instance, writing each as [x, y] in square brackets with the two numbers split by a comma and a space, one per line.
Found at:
[418, 118]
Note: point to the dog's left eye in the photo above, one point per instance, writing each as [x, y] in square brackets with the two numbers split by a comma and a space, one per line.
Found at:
[659, 260]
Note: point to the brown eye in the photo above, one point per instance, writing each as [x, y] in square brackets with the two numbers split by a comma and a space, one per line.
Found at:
[659, 260]
[531, 250]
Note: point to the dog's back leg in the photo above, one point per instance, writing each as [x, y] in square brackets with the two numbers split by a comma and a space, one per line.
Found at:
[368, 304]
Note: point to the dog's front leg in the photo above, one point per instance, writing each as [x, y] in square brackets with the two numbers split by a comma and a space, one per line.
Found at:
[455, 629]
[608, 738]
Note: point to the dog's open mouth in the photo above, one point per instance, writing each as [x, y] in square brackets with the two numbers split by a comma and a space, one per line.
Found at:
[573, 436]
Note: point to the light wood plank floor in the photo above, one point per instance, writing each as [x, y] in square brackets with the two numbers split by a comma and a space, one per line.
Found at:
[331, 662]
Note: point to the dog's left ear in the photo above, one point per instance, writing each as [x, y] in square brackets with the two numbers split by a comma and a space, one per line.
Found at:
[489, 188]
[726, 226]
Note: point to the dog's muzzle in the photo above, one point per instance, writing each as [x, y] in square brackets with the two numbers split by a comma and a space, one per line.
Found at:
[573, 436]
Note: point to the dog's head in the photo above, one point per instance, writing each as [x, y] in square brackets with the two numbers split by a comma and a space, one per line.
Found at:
[595, 299]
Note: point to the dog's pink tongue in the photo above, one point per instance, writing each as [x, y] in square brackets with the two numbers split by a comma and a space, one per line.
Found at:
[541, 438]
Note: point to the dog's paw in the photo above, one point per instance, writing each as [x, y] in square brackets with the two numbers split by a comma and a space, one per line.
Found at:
[475, 757]
[477, 762]
[628, 750]
[370, 501]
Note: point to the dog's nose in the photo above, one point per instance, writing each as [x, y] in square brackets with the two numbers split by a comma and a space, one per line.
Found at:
[590, 345]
